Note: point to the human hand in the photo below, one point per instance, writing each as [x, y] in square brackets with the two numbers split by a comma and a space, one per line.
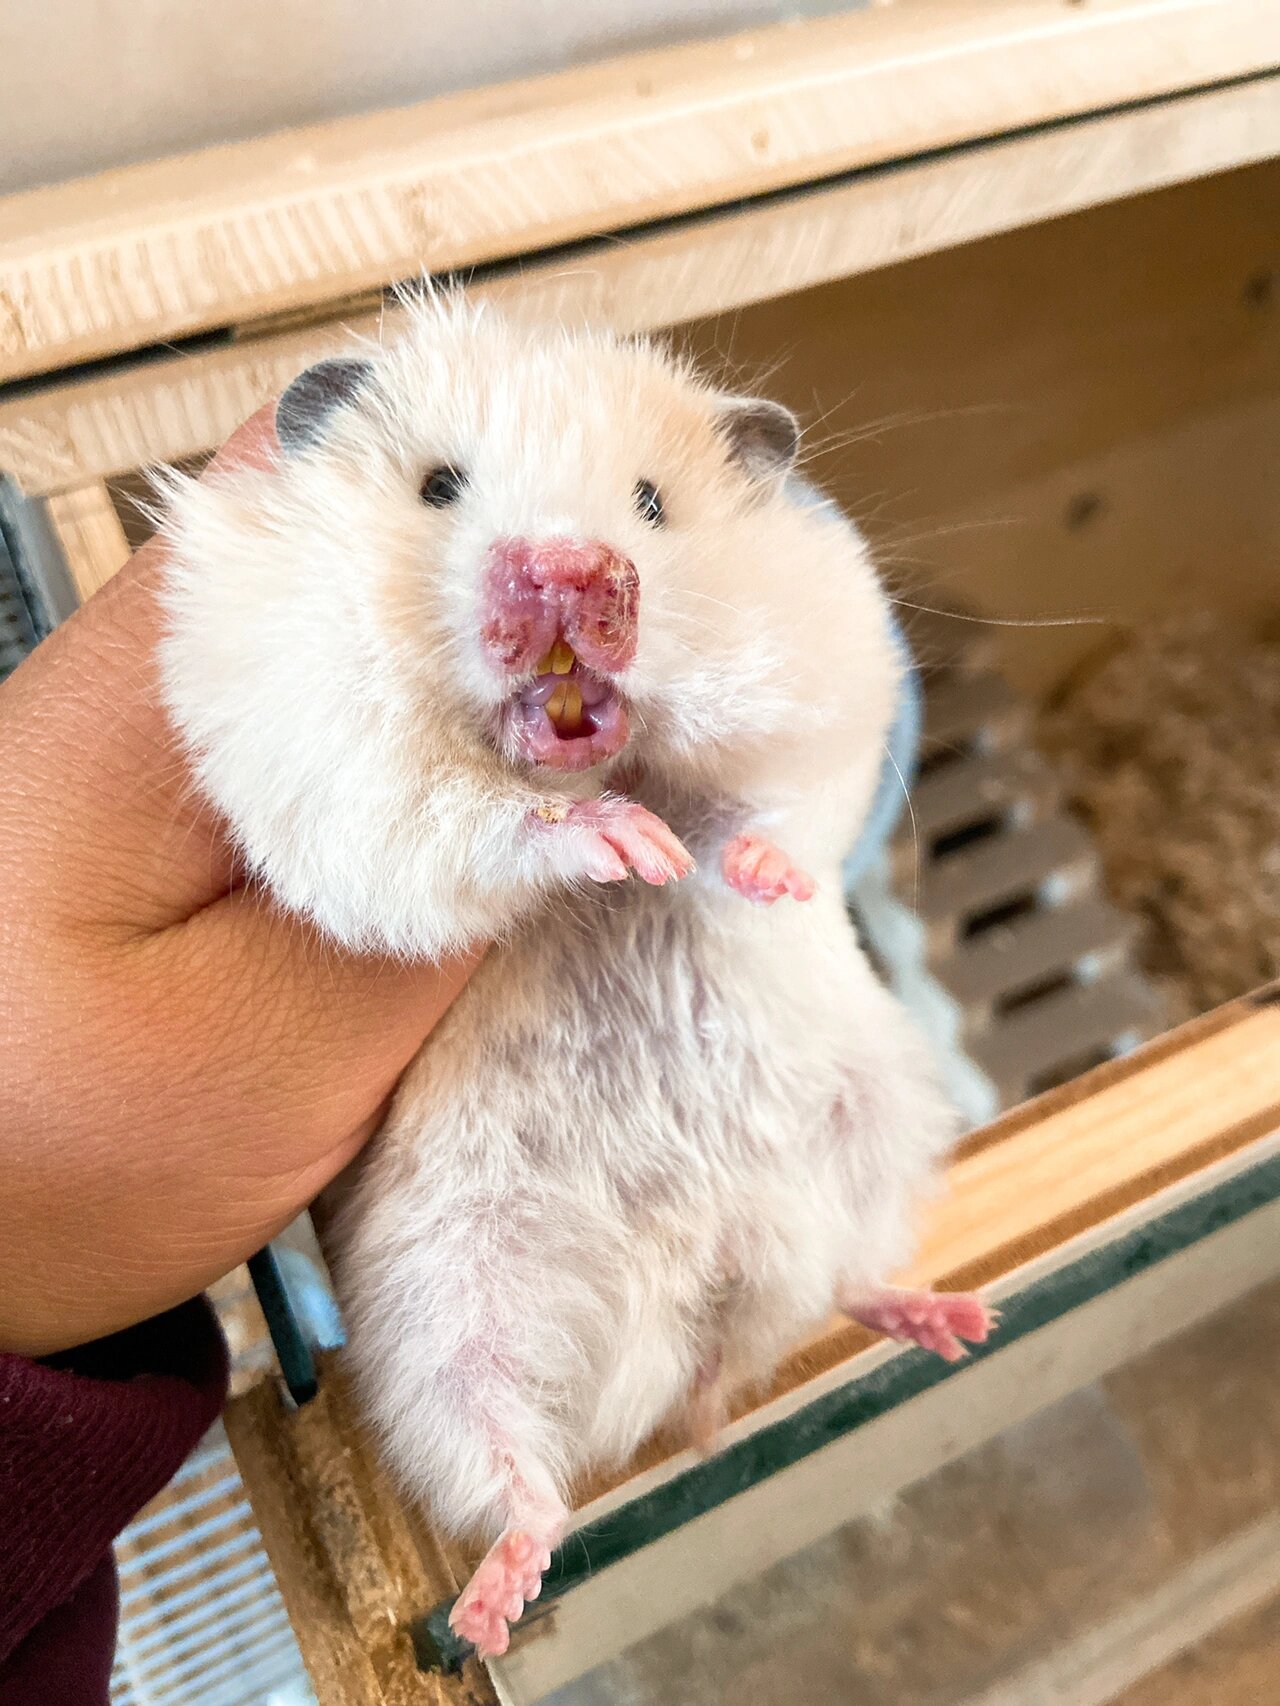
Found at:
[182, 1066]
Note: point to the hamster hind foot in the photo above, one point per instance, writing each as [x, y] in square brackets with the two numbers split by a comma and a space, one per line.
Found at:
[762, 872]
[940, 1321]
[507, 1578]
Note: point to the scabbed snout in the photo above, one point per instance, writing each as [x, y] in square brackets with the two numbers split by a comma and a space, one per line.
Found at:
[559, 619]
[539, 591]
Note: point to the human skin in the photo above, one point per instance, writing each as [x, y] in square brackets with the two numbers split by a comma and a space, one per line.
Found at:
[182, 1066]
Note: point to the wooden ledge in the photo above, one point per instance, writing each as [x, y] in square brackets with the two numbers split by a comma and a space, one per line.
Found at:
[59, 436]
[239, 233]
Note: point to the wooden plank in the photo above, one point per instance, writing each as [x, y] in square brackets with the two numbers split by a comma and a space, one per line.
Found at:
[1230, 1579]
[234, 233]
[1012, 786]
[350, 1570]
[696, 1563]
[1012, 1196]
[165, 409]
[90, 534]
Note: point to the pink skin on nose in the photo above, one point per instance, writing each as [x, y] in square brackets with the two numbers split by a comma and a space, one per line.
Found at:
[536, 592]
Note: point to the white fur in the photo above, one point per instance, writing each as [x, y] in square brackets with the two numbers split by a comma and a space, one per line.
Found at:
[660, 1125]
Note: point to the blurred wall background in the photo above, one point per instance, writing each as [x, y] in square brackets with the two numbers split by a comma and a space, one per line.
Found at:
[89, 84]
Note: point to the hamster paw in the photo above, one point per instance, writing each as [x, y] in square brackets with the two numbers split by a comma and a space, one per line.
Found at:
[508, 1576]
[938, 1320]
[606, 839]
[762, 872]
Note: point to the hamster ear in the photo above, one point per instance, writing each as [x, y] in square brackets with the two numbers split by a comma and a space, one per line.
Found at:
[303, 411]
[763, 437]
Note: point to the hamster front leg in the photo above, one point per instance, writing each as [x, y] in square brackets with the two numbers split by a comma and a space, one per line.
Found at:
[763, 873]
[461, 864]
[605, 838]
[485, 853]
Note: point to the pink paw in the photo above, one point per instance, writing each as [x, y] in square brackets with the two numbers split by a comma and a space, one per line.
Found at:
[605, 839]
[509, 1575]
[938, 1320]
[762, 872]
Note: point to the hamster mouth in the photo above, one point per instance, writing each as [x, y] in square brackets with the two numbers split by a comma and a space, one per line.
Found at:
[566, 718]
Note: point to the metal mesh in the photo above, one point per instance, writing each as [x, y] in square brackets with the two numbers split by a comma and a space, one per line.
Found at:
[201, 1619]
[35, 587]
[17, 633]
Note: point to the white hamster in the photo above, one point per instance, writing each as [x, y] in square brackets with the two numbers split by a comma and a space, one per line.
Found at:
[522, 625]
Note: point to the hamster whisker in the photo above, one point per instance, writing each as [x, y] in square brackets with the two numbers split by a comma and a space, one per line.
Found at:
[915, 828]
[1086, 621]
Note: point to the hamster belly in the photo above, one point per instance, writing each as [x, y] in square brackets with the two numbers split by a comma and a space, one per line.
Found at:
[629, 1151]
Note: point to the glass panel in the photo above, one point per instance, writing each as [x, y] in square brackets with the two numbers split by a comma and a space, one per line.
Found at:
[1060, 1562]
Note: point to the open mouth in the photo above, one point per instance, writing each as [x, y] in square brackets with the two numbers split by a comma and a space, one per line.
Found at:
[566, 718]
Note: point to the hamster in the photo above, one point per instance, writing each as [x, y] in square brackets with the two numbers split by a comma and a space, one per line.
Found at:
[529, 639]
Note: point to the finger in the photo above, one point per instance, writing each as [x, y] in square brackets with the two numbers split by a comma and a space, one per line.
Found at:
[261, 1014]
[209, 1081]
[98, 782]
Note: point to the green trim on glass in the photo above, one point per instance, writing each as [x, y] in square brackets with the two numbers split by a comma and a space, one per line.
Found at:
[829, 1417]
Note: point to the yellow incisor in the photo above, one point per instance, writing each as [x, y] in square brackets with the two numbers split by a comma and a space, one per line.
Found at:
[558, 661]
[565, 707]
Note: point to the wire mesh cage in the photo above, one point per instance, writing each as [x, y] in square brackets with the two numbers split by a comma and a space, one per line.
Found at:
[201, 1618]
[35, 588]
[202, 1622]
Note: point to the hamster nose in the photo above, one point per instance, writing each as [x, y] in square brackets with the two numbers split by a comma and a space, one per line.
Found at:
[539, 590]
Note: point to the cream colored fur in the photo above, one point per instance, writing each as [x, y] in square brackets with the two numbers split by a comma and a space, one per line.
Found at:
[661, 1125]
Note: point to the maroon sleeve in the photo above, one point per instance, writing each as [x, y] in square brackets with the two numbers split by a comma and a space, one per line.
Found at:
[86, 1438]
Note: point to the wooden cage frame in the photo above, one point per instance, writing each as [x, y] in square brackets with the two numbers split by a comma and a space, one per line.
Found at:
[648, 191]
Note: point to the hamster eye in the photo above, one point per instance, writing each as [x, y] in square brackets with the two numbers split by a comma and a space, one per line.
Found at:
[442, 486]
[649, 504]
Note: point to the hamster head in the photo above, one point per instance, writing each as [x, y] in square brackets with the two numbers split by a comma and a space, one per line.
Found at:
[564, 542]
[517, 549]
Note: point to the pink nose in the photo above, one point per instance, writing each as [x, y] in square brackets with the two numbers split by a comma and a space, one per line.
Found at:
[538, 591]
